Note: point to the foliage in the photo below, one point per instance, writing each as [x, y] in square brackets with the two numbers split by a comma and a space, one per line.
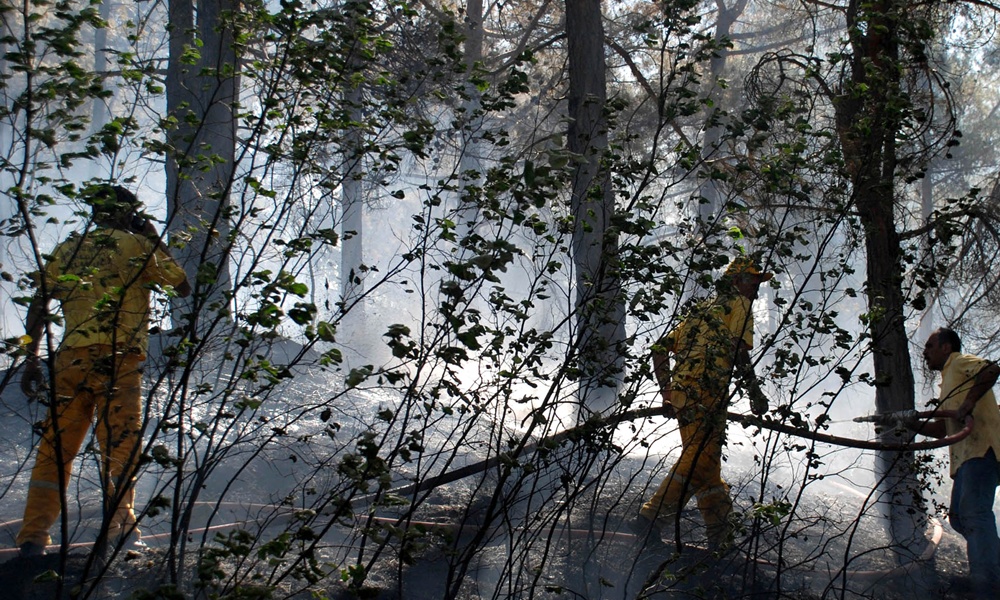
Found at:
[325, 442]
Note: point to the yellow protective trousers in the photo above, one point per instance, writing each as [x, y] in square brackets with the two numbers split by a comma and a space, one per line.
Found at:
[698, 471]
[88, 380]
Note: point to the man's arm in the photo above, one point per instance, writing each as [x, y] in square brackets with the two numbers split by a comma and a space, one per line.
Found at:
[986, 378]
[182, 289]
[31, 377]
[744, 367]
[931, 428]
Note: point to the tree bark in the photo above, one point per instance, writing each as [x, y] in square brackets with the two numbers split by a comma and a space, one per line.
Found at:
[100, 112]
[868, 121]
[352, 208]
[470, 164]
[201, 154]
[600, 309]
[711, 196]
[200, 166]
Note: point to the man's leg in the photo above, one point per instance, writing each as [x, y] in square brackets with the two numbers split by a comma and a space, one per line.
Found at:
[698, 469]
[971, 514]
[119, 422]
[64, 432]
[716, 506]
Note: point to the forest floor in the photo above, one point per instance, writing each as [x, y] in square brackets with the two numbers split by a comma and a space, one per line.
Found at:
[621, 570]
[585, 553]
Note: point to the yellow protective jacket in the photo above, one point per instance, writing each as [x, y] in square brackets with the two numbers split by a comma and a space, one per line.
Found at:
[704, 344]
[103, 280]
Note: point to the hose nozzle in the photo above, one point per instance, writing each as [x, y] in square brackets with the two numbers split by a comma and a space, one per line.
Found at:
[899, 417]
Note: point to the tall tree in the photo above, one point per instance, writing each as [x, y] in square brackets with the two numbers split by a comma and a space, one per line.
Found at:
[600, 307]
[470, 166]
[872, 110]
[352, 191]
[202, 88]
[100, 116]
[711, 200]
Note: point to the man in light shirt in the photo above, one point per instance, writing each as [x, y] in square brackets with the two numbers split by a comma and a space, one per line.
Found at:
[966, 387]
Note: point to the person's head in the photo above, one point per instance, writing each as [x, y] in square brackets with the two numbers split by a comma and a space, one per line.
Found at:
[113, 206]
[746, 276]
[939, 347]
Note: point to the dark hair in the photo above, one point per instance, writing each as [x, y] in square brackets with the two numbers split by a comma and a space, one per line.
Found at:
[112, 203]
[949, 336]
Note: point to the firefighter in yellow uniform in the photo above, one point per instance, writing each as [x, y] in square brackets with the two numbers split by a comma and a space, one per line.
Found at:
[709, 346]
[102, 279]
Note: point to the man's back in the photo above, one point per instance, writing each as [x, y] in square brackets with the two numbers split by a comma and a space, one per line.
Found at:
[102, 279]
[704, 342]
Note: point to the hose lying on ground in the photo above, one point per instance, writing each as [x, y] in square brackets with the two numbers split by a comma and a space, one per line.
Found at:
[645, 413]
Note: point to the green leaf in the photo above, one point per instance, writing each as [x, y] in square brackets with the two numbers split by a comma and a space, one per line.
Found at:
[327, 331]
[358, 375]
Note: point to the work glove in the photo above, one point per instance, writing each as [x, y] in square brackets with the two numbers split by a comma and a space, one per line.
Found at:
[901, 419]
[32, 378]
[758, 401]
[907, 419]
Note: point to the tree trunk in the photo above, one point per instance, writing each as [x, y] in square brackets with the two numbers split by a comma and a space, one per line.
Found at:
[868, 120]
[201, 156]
[470, 167]
[599, 306]
[352, 208]
[100, 113]
[199, 167]
[711, 197]
[926, 327]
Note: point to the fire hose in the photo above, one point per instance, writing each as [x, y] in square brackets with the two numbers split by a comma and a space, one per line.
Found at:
[598, 423]
[891, 420]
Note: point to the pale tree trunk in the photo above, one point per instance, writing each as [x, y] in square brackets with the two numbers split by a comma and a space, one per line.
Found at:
[711, 195]
[200, 162]
[600, 309]
[870, 156]
[100, 113]
[927, 326]
[470, 165]
[7, 209]
[352, 201]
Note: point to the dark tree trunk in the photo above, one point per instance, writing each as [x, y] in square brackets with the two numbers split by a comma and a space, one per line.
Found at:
[202, 152]
[200, 166]
[868, 121]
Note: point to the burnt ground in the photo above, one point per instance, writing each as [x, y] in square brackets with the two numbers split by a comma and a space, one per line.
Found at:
[577, 557]
[659, 575]
[571, 566]
[39, 578]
